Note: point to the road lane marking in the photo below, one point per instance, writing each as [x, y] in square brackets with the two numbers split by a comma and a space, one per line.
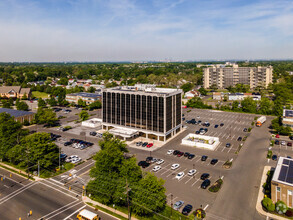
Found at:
[65, 209]
[68, 217]
[206, 207]
[60, 190]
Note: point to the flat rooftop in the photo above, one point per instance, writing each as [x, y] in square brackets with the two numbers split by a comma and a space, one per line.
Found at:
[85, 94]
[144, 88]
[284, 171]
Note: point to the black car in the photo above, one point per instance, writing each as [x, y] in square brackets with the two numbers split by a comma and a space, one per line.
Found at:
[216, 126]
[176, 152]
[93, 133]
[63, 157]
[197, 132]
[214, 161]
[186, 154]
[143, 164]
[206, 130]
[187, 209]
[144, 144]
[245, 129]
[205, 184]
[67, 143]
[239, 139]
[222, 124]
[208, 124]
[190, 156]
[183, 119]
[149, 159]
[274, 157]
[199, 122]
[204, 176]
[277, 142]
[291, 137]
[204, 158]
[228, 145]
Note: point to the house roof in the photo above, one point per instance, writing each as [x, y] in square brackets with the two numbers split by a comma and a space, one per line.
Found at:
[25, 91]
[6, 89]
[15, 113]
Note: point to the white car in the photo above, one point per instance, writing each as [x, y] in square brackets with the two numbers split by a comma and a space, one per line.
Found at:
[283, 143]
[197, 117]
[175, 166]
[160, 161]
[76, 160]
[156, 168]
[170, 152]
[191, 172]
[179, 175]
[70, 158]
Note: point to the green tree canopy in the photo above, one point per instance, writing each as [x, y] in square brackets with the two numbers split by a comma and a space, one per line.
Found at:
[22, 106]
[91, 89]
[46, 116]
[83, 115]
[41, 103]
[187, 87]
[95, 105]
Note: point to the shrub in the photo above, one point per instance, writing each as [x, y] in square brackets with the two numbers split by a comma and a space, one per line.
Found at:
[289, 213]
[252, 123]
[270, 154]
[281, 207]
[249, 129]
[255, 118]
[268, 204]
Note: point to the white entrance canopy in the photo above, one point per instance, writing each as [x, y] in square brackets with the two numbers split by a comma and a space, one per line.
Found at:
[124, 132]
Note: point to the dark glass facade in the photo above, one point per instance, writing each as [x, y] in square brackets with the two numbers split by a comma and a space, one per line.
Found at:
[153, 113]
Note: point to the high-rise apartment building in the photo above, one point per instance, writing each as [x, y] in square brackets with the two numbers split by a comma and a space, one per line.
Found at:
[223, 77]
[153, 112]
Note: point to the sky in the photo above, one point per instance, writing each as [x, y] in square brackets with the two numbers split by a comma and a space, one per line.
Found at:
[145, 30]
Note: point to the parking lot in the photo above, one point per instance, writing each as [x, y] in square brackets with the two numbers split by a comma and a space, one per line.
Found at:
[188, 188]
[282, 149]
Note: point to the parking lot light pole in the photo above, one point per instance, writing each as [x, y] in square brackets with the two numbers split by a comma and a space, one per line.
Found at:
[171, 204]
[193, 168]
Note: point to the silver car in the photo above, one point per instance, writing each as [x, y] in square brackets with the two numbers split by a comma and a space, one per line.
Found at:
[178, 205]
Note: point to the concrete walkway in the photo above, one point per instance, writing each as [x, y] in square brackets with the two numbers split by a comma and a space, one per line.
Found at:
[261, 196]
[86, 199]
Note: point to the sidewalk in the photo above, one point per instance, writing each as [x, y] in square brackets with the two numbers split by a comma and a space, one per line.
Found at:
[261, 196]
[86, 199]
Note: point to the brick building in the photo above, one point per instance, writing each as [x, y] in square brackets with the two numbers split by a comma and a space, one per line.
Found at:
[18, 115]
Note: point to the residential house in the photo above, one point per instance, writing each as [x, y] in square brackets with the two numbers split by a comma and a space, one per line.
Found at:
[14, 92]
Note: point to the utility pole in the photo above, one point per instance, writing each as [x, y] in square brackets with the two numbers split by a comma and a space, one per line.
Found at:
[128, 203]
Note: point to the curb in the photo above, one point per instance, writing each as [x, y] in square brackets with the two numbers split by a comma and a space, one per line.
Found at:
[261, 195]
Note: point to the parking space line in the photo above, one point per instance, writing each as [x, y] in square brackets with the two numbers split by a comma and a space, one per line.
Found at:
[195, 182]
[233, 137]
[180, 172]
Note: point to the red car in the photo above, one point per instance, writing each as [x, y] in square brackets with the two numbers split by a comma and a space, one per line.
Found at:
[277, 136]
[150, 145]
[180, 154]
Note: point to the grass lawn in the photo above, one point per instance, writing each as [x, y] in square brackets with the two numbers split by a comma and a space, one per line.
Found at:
[40, 94]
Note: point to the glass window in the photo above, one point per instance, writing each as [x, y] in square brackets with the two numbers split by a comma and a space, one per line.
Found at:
[278, 189]
[289, 192]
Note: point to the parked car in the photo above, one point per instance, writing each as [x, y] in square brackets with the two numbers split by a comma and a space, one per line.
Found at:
[191, 156]
[180, 154]
[191, 172]
[228, 145]
[160, 161]
[277, 136]
[138, 143]
[214, 161]
[156, 168]
[176, 152]
[277, 142]
[169, 152]
[205, 184]
[93, 133]
[186, 154]
[216, 126]
[76, 160]
[222, 124]
[197, 132]
[148, 159]
[245, 129]
[180, 175]
[291, 137]
[178, 205]
[274, 157]
[67, 143]
[204, 176]
[144, 144]
[204, 158]
[239, 139]
[150, 145]
[187, 209]
[289, 144]
[175, 166]
[283, 143]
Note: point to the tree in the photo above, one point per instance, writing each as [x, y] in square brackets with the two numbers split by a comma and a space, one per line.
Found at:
[22, 106]
[150, 194]
[10, 133]
[52, 101]
[80, 102]
[83, 115]
[24, 97]
[63, 81]
[203, 91]
[187, 87]
[268, 204]
[214, 87]
[95, 105]
[265, 106]
[196, 102]
[235, 106]
[248, 105]
[41, 103]
[91, 89]
[35, 148]
[5, 104]
[46, 116]
[278, 107]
